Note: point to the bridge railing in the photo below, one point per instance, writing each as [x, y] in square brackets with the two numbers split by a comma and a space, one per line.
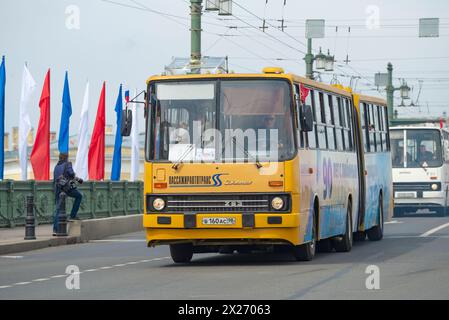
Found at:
[100, 200]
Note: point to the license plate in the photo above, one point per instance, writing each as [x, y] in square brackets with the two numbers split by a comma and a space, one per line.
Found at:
[219, 221]
[406, 195]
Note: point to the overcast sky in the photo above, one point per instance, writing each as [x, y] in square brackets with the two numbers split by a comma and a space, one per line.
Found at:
[124, 42]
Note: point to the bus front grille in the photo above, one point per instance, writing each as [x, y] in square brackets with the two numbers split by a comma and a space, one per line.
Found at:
[219, 203]
[415, 186]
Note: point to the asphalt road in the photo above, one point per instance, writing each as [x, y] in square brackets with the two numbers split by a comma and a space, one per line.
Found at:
[413, 262]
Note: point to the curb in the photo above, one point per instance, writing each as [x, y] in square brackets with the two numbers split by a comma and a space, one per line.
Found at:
[31, 245]
[80, 232]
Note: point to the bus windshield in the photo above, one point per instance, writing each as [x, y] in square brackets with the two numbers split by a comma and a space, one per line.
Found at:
[223, 120]
[423, 148]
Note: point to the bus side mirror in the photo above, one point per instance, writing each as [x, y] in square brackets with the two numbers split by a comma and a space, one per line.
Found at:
[127, 123]
[307, 118]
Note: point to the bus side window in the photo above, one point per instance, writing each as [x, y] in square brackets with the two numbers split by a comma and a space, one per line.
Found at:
[378, 127]
[336, 102]
[364, 122]
[321, 123]
[299, 132]
[385, 133]
[330, 122]
[350, 132]
[372, 129]
[382, 128]
[311, 137]
[445, 145]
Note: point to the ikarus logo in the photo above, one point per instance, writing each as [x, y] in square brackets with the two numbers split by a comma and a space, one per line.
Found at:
[216, 179]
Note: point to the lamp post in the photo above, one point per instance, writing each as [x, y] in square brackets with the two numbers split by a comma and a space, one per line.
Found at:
[404, 89]
[196, 9]
[224, 8]
[323, 62]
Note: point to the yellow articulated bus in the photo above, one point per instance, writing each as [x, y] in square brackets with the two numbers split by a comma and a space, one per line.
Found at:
[238, 162]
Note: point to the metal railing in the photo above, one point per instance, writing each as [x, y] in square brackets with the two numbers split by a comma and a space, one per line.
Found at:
[100, 200]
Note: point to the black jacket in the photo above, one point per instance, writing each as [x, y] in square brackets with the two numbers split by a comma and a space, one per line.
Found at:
[59, 170]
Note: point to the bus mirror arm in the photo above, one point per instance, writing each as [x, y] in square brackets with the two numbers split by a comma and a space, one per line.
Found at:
[307, 118]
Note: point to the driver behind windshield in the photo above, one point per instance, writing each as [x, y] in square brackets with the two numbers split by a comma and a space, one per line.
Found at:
[424, 155]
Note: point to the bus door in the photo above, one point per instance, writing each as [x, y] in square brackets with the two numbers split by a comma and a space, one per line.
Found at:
[359, 147]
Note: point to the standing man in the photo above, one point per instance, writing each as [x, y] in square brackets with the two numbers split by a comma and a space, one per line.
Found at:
[64, 171]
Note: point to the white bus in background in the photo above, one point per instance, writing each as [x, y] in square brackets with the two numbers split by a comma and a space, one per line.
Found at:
[420, 169]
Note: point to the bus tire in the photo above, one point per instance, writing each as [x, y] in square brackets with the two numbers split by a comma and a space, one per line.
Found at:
[306, 251]
[344, 243]
[181, 253]
[377, 233]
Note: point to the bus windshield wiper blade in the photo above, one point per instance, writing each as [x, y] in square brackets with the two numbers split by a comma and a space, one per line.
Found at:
[182, 157]
[247, 153]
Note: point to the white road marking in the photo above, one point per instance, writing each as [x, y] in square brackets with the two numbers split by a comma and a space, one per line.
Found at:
[432, 231]
[40, 280]
[12, 257]
[89, 270]
[416, 237]
[394, 222]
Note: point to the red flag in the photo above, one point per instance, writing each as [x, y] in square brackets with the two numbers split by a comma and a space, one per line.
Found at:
[441, 123]
[40, 156]
[304, 92]
[96, 149]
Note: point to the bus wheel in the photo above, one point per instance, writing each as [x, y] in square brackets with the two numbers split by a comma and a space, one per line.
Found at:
[377, 233]
[359, 236]
[181, 253]
[306, 252]
[344, 243]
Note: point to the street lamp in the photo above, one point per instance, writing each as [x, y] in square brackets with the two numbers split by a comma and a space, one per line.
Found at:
[320, 61]
[212, 5]
[329, 62]
[405, 91]
[315, 28]
[225, 8]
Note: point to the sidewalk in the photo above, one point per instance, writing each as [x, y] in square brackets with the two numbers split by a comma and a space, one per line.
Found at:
[12, 240]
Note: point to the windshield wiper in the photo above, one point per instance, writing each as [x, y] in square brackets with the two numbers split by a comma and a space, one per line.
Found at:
[182, 157]
[247, 154]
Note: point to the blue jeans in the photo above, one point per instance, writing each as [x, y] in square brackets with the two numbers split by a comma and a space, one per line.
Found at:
[74, 193]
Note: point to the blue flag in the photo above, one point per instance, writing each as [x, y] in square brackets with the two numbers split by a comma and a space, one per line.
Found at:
[117, 160]
[2, 116]
[63, 143]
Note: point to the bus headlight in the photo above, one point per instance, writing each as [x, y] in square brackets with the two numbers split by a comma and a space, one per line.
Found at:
[434, 187]
[158, 204]
[277, 203]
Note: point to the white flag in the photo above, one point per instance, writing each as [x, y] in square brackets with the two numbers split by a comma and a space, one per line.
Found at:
[81, 164]
[28, 87]
[135, 149]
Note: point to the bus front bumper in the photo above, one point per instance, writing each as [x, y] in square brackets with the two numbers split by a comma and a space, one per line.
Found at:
[419, 206]
[247, 228]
